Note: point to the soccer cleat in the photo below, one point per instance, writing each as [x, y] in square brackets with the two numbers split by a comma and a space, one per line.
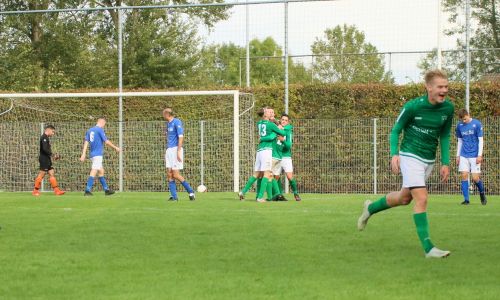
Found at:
[365, 215]
[172, 199]
[192, 197]
[483, 198]
[465, 202]
[35, 193]
[281, 198]
[109, 192]
[59, 192]
[297, 197]
[242, 197]
[87, 193]
[261, 200]
[437, 253]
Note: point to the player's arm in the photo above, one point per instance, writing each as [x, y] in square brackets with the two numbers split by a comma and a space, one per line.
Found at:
[273, 128]
[108, 142]
[180, 134]
[84, 150]
[288, 140]
[444, 143]
[480, 145]
[268, 138]
[459, 144]
[403, 119]
[46, 148]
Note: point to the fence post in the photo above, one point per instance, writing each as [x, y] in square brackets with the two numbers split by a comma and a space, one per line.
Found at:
[202, 149]
[42, 125]
[375, 156]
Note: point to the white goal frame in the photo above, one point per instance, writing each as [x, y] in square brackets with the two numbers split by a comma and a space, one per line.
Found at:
[120, 95]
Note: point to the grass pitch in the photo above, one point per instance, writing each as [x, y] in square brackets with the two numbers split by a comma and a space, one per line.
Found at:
[139, 246]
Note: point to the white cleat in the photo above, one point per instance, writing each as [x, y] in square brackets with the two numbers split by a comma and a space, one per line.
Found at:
[365, 215]
[437, 253]
[261, 200]
[242, 197]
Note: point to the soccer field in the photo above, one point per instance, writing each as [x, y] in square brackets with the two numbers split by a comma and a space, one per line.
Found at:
[139, 246]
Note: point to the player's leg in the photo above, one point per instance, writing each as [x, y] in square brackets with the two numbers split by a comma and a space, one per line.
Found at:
[266, 163]
[90, 181]
[38, 182]
[171, 186]
[177, 175]
[248, 185]
[273, 191]
[422, 224]
[287, 166]
[475, 174]
[464, 168]
[53, 183]
[104, 184]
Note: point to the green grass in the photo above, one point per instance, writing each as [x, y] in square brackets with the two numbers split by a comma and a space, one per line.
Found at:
[138, 246]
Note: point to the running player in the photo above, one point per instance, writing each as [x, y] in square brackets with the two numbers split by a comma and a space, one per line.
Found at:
[96, 138]
[425, 121]
[470, 153]
[174, 155]
[45, 159]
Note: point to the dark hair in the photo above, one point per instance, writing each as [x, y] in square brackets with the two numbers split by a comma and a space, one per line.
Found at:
[261, 111]
[285, 115]
[462, 113]
[101, 118]
[50, 127]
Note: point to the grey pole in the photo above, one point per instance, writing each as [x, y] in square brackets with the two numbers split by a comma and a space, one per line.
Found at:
[247, 37]
[467, 54]
[286, 57]
[439, 50]
[120, 99]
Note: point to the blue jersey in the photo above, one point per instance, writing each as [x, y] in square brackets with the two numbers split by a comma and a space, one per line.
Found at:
[174, 131]
[96, 138]
[470, 134]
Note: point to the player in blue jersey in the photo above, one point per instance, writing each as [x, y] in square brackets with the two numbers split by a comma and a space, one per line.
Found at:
[470, 153]
[96, 138]
[174, 155]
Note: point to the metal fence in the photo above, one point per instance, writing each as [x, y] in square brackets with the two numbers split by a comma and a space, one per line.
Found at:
[329, 156]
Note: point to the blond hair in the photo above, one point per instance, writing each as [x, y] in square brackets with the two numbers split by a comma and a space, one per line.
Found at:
[430, 75]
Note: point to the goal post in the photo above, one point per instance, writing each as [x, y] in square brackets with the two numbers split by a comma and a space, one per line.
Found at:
[238, 111]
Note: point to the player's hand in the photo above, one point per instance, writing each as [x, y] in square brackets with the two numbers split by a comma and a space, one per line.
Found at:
[56, 156]
[118, 149]
[445, 173]
[82, 158]
[395, 164]
[457, 160]
[281, 138]
[479, 160]
[179, 152]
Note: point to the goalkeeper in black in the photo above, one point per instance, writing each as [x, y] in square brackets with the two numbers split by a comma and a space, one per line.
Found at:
[45, 159]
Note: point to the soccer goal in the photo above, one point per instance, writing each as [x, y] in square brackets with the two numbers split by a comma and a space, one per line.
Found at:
[218, 148]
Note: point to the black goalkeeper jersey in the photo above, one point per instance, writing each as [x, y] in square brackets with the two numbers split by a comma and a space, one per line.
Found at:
[45, 149]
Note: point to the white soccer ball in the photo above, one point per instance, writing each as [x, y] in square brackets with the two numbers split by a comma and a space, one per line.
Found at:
[201, 188]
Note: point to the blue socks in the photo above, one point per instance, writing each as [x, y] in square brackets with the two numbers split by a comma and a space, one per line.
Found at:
[480, 186]
[465, 190]
[90, 183]
[188, 188]
[103, 183]
[172, 188]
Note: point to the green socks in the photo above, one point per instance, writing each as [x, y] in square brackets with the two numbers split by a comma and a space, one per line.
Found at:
[276, 188]
[270, 190]
[249, 184]
[293, 184]
[423, 231]
[262, 188]
[377, 206]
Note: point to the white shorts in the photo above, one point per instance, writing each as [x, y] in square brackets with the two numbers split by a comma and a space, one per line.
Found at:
[171, 161]
[263, 160]
[414, 171]
[286, 164]
[96, 162]
[276, 167]
[467, 164]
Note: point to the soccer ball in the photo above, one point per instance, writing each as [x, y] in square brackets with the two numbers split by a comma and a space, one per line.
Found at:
[201, 188]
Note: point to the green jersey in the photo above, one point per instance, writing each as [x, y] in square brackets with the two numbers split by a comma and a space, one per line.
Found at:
[287, 147]
[424, 124]
[267, 134]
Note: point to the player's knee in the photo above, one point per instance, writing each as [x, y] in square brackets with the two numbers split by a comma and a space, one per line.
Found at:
[405, 200]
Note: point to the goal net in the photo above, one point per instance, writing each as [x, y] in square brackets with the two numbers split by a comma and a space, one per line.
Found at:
[218, 142]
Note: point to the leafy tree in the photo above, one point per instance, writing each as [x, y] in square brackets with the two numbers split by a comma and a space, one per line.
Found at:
[485, 35]
[345, 56]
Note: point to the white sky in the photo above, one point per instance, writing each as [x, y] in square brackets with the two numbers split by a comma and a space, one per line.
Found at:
[390, 25]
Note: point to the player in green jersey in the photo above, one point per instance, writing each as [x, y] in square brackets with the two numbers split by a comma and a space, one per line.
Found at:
[275, 188]
[425, 120]
[267, 131]
[286, 161]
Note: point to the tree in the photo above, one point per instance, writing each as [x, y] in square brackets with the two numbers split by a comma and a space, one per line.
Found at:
[345, 56]
[225, 64]
[485, 35]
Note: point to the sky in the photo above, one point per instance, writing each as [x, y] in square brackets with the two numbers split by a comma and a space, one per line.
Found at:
[389, 25]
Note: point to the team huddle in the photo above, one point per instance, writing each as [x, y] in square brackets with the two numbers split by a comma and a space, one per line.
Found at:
[425, 121]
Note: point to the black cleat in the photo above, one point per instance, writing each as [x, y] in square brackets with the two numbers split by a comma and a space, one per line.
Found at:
[281, 198]
[109, 192]
[465, 203]
[192, 197]
[297, 197]
[483, 198]
[172, 199]
[87, 193]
